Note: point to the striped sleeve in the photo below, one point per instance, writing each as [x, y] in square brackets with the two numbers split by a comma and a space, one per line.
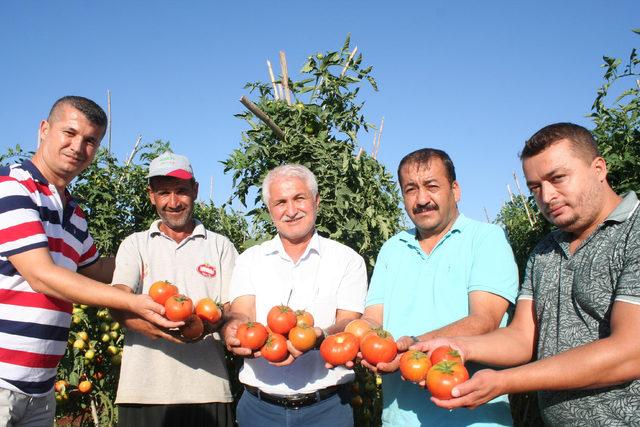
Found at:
[21, 226]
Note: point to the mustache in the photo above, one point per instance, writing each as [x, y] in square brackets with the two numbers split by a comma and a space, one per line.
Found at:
[298, 215]
[425, 208]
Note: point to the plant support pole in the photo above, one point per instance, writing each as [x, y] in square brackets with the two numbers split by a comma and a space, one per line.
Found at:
[524, 201]
[262, 116]
[285, 77]
[273, 81]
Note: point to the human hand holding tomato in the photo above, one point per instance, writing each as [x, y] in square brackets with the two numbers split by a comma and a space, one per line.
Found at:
[430, 346]
[144, 327]
[484, 386]
[144, 307]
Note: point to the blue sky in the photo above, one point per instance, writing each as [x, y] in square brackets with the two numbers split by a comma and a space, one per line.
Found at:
[472, 78]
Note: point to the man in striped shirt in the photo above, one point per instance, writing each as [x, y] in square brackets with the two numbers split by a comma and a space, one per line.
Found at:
[44, 244]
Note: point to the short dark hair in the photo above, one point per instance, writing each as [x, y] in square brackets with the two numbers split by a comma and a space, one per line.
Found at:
[424, 156]
[92, 111]
[582, 142]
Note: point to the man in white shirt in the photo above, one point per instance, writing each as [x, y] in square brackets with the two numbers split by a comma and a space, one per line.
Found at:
[303, 270]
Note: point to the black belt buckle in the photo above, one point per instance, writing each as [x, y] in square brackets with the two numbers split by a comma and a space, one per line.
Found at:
[294, 401]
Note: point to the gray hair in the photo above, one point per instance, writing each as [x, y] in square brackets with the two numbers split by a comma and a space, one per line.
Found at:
[289, 171]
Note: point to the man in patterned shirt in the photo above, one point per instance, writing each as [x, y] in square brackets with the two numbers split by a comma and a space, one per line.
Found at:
[580, 300]
[44, 240]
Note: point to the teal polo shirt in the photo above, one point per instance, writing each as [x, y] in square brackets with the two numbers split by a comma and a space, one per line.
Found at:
[422, 292]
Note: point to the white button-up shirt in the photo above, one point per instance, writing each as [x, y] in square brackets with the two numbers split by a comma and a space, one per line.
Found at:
[329, 276]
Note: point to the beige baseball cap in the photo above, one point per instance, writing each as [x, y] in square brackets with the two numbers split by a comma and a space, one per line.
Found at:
[170, 164]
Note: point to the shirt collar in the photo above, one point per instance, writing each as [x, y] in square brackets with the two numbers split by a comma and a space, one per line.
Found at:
[410, 236]
[198, 231]
[34, 171]
[274, 246]
[625, 208]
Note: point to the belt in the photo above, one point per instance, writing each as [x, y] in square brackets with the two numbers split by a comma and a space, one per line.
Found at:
[294, 400]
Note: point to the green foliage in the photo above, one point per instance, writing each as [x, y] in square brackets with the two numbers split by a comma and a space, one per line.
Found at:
[359, 199]
[617, 125]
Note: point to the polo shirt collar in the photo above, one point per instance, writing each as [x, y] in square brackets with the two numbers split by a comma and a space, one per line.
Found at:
[275, 247]
[625, 209]
[198, 231]
[34, 171]
[410, 236]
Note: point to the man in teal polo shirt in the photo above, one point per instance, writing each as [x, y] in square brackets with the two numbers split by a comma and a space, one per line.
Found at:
[448, 276]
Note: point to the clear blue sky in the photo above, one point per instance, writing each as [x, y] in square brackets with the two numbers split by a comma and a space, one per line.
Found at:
[472, 78]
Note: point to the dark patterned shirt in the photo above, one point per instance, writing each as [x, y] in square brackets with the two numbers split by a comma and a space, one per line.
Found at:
[573, 295]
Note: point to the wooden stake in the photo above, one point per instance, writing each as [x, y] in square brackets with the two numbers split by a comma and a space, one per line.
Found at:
[359, 154]
[510, 194]
[285, 77]
[524, 201]
[486, 214]
[109, 117]
[262, 116]
[346, 65]
[273, 81]
[375, 141]
[376, 144]
[211, 190]
[133, 152]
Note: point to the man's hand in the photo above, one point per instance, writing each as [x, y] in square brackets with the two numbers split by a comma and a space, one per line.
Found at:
[148, 309]
[146, 328]
[430, 345]
[481, 388]
[229, 334]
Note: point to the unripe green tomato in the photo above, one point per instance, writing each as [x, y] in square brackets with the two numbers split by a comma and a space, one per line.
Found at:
[112, 349]
[83, 336]
[89, 354]
[114, 334]
[115, 326]
[76, 320]
[79, 344]
[104, 327]
[84, 306]
[105, 338]
[77, 310]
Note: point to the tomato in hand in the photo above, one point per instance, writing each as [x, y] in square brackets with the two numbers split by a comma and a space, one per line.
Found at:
[358, 327]
[444, 352]
[338, 349]
[378, 346]
[178, 307]
[444, 376]
[207, 309]
[281, 319]
[304, 318]
[193, 328]
[275, 348]
[303, 338]
[252, 335]
[162, 290]
[414, 365]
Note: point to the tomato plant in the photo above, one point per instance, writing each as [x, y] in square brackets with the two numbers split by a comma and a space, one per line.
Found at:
[444, 376]
[252, 335]
[303, 338]
[338, 349]
[281, 319]
[414, 365]
[207, 309]
[178, 307]
[162, 290]
[193, 328]
[378, 346]
[85, 387]
[304, 318]
[275, 348]
[445, 352]
[358, 327]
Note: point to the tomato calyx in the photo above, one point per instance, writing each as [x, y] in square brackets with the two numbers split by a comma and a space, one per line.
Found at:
[445, 367]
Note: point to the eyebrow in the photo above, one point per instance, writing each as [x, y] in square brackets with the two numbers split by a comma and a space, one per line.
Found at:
[549, 174]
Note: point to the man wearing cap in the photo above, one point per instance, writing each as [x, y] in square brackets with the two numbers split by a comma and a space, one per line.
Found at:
[305, 271]
[162, 380]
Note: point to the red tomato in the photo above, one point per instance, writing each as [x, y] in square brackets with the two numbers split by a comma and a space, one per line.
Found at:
[338, 349]
[378, 346]
[304, 318]
[178, 307]
[444, 352]
[281, 319]
[207, 309]
[414, 365]
[443, 376]
[275, 348]
[192, 328]
[358, 327]
[303, 338]
[85, 386]
[252, 335]
[161, 291]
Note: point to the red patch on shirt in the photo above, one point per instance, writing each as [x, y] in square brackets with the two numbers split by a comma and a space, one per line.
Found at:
[207, 270]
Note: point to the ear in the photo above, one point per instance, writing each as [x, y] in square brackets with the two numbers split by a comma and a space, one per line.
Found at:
[44, 129]
[152, 196]
[599, 165]
[457, 192]
[317, 200]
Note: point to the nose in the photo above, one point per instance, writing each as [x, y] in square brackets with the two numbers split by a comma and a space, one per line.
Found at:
[174, 200]
[547, 192]
[423, 197]
[76, 144]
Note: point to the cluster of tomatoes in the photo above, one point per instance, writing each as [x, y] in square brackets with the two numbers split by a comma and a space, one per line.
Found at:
[374, 344]
[283, 323]
[442, 371]
[180, 308]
